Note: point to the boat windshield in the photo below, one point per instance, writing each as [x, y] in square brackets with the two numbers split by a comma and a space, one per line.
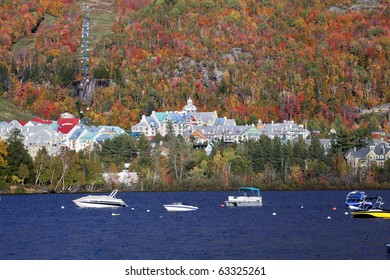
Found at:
[114, 192]
[249, 191]
[355, 197]
[372, 202]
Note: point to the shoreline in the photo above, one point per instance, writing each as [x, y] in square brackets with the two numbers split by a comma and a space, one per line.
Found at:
[15, 190]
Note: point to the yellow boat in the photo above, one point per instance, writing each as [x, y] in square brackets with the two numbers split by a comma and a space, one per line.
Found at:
[372, 213]
[375, 211]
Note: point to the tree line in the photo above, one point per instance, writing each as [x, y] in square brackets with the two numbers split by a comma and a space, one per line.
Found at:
[171, 164]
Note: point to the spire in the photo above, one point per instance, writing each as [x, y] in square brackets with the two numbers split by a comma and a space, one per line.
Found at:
[190, 107]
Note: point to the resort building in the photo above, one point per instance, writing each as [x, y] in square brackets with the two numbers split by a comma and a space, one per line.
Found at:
[54, 136]
[366, 157]
[202, 128]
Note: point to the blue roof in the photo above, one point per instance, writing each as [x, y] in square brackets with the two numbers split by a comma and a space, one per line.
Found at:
[177, 118]
[219, 121]
[103, 137]
[151, 120]
[76, 134]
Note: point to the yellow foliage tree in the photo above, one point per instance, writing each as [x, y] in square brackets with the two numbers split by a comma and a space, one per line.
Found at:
[3, 154]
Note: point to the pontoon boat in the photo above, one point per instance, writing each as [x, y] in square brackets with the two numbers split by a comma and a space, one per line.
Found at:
[248, 197]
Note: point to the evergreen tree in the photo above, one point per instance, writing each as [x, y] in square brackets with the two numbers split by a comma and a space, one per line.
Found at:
[288, 156]
[17, 153]
[121, 149]
[342, 143]
[300, 152]
[143, 148]
[316, 150]
[360, 137]
[239, 165]
[255, 155]
[266, 146]
[277, 156]
[170, 131]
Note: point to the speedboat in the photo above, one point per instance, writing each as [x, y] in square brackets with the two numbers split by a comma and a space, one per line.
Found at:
[179, 207]
[357, 200]
[375, 211]
[248, 196]
[100, 201]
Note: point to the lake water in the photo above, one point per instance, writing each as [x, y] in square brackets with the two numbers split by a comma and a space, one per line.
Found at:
[37, 227]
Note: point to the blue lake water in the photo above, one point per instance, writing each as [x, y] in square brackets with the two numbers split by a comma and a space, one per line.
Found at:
[36, 227]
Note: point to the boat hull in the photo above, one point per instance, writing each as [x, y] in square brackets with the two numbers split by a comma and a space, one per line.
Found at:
[92, 204]
[244, 201]
[383, 214]
[99, 201]
[179, 208]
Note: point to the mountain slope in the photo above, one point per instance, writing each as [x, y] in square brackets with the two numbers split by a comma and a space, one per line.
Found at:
[271, 60]
[310, 61]
[9, 112]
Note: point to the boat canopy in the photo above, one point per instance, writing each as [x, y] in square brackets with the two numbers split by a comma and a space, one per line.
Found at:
[248, 189]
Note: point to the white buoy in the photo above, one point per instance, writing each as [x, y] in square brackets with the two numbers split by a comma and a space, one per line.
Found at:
[132, 209]
[302, 207]
[115, 214]
[346, 213]
[62, 207]
[328, 217]
[148, 210]
[273, 214]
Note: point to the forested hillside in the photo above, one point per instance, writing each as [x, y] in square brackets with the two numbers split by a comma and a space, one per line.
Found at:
[320, 63]
[312, 61]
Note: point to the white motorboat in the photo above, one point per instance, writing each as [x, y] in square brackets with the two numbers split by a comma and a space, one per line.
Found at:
[100, 201]
[179, 207]
[248, 197]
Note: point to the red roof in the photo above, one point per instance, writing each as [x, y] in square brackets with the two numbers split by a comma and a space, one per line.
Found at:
[39, 120]
[23, 122]
[68, 121]
[65, 129]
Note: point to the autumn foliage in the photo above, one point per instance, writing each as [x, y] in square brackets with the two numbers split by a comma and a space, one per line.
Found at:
[310, 61]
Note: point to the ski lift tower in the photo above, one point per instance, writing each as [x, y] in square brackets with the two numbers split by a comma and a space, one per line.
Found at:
[83, 87]
[85, 35]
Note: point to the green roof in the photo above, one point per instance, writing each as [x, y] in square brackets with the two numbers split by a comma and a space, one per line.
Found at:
[161, 116]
